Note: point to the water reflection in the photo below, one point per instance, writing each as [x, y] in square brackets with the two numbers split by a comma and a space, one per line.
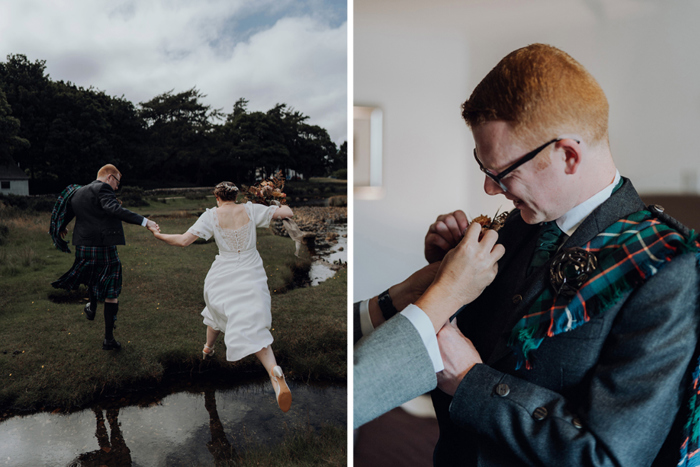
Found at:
[321, 267]
[112, 448]
[204, 427]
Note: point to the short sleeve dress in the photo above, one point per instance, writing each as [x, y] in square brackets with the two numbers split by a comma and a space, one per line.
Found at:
[236, 294]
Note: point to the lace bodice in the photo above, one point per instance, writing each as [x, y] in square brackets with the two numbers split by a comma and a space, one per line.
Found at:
[235, 239]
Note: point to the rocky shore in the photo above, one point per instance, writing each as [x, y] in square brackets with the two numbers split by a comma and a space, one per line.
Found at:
[317, 222]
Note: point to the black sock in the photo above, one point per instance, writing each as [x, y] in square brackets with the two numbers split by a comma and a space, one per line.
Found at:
[110, 316]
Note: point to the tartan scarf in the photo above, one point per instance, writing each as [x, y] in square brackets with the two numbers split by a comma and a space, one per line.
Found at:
[58, 215]
[628, 252]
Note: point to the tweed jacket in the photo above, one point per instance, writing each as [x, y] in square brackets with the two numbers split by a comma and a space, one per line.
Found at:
[98, 216]
[390, 366]
[606, 393]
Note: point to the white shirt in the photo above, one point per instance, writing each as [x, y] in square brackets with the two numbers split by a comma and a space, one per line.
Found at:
[568, 223]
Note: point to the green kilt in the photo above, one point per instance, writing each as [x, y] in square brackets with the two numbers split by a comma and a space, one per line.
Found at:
[98, 267]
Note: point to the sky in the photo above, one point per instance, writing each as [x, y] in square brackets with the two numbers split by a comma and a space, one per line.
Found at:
[266, 51]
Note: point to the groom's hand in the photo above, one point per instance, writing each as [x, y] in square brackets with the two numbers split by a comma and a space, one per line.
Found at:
[458, 355]
[444, 234]
[152, 226]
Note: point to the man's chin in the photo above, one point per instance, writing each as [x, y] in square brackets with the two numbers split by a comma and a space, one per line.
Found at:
[528, 216]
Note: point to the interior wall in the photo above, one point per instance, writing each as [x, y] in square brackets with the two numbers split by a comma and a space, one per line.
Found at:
[418, 61]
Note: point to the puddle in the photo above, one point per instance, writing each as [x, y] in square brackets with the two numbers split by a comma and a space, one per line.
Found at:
[323, 259]
[203, 428]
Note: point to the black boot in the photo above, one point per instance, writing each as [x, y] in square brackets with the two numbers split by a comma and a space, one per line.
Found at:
[110, 315]
[91, 307]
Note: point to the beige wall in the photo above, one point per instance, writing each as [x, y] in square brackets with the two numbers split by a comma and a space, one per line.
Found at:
[419, 60]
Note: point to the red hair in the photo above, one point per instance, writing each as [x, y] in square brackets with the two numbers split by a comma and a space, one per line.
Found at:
[543, 93]
[107, 170]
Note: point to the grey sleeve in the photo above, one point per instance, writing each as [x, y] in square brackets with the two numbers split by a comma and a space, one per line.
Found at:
[390, 366]
[109, 203]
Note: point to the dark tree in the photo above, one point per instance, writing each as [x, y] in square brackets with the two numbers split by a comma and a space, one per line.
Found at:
[9, 128]
[178, 135]
[26, 87]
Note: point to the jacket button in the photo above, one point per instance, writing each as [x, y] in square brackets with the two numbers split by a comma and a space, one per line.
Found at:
[658, 208]
[577, 423]
[502, 390]
[540, 413]
[517, 299]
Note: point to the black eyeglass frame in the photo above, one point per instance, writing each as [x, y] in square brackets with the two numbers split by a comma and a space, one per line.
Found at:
[119, 182]
[527, 157]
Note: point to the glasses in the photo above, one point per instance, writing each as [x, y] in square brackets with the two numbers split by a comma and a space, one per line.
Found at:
[527, 157]
[118, 181]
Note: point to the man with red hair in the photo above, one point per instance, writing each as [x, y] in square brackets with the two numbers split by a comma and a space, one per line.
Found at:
[98, 230]
[579, 351]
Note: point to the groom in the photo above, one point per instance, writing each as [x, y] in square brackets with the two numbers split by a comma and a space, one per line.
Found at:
[580, 348]
[98, 230]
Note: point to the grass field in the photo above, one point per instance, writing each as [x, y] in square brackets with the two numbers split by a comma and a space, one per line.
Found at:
[51, 356]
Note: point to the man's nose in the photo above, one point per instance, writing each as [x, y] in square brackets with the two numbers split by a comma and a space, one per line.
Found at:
[492, 188]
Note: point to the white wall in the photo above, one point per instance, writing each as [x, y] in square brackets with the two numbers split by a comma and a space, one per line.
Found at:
[17, 187]
[419, 60]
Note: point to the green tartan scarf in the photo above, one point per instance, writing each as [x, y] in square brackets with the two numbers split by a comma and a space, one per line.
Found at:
[58, 215]
[628, 253]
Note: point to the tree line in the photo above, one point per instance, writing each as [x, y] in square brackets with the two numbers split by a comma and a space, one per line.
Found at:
[60, 133]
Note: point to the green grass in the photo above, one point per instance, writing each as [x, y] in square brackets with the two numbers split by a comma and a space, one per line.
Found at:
[51, 356]
[326, 447]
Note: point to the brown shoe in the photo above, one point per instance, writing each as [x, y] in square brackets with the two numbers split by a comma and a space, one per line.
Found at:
[279, 384]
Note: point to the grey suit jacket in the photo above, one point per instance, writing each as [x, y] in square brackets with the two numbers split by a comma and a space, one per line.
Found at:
[98, 216]
[391, 366]
[606, 393]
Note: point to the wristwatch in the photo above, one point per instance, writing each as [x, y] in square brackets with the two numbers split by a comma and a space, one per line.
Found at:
[387, 305]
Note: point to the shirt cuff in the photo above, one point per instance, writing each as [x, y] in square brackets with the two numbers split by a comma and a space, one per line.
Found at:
[144, 222]
[425, 329]
[365, 321]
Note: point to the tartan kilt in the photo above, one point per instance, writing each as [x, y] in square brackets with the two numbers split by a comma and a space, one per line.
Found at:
[98, 267]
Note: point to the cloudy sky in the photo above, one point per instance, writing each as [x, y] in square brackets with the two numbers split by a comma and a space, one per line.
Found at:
[267, 51]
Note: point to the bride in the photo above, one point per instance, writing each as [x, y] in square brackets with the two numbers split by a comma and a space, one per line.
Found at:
[236, 294]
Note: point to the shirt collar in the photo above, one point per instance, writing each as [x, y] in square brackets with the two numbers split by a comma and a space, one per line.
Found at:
[569, 222]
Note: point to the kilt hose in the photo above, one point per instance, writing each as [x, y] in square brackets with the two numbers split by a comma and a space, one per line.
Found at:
[98, 267]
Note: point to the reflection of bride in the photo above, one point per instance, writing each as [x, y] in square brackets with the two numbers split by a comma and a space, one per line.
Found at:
[236, 294]
[113, 452]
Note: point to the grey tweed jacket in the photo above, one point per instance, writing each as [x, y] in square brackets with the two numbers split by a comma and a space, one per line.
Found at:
[391, 366]
[98, 216]
[608, 393]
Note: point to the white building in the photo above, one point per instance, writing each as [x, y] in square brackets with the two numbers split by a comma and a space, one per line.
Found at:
[13, 180]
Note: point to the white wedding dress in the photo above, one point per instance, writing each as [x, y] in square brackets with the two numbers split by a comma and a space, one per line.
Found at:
[236, 294]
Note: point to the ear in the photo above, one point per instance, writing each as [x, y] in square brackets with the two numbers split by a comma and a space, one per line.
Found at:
[572, 154]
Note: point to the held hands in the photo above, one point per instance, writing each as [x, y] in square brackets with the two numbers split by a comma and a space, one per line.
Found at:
[153, 227]
[458, 356]
[444, 234]
[63, 233]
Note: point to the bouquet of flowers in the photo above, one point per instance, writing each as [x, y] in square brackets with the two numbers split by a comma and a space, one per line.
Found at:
[268, 192]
